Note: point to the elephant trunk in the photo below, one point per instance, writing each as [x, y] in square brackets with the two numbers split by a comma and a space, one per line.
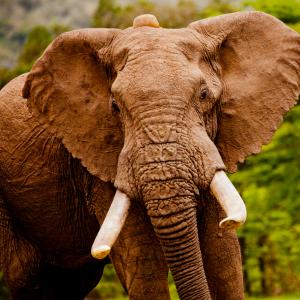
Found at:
[170, 200]
[178, 236]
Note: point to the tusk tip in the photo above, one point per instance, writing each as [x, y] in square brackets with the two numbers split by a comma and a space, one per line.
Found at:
[231, 223]
[100, 252]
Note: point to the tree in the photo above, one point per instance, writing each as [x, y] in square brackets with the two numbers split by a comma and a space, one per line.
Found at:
[269, 183]
[286, 11]
[107, 14]
[218, 7]
[36, 42]
[38, 39]
[112, 14]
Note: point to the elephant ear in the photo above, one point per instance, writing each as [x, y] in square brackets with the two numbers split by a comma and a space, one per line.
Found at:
[259, 64]
[68, 91]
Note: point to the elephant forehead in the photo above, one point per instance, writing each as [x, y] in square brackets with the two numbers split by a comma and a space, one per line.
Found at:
[158, 78]
[148, 39]
[144, 54]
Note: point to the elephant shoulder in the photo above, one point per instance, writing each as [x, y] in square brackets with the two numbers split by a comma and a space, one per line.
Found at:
[17, 127]
[11, 95]
[14, 113]
[12, 103]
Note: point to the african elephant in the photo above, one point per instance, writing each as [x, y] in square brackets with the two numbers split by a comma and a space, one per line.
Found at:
[154, 116]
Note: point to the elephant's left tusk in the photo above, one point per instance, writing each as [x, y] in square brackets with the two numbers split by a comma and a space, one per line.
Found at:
[230, 200]
[112, 226]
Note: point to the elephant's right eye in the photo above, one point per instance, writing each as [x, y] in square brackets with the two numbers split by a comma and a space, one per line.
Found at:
[114, 105]
[204, 93]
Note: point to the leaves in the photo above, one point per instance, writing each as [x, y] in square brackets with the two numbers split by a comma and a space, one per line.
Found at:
[270, 185]
[286, 11]
[36, 42]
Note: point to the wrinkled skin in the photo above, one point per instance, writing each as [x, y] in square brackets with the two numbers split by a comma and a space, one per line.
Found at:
[157, 112]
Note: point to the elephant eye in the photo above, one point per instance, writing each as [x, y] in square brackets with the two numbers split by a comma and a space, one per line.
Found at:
[204, 93]
[115, 106]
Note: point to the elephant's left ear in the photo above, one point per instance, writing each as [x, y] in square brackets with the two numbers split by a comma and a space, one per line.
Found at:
[68, 91]
[259, 64]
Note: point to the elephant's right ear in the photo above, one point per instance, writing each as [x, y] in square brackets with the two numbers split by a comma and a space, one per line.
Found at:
[68, 91]
[257, 58]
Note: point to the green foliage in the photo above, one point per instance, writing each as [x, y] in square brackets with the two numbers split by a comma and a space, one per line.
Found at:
[109, 286]
[286, 11]
[3, 289]
[269, 183]
[218, 7]
[178, 16]
[112, 14]
[295, 26]
[105, 15]
[57, 29]
[37, 41]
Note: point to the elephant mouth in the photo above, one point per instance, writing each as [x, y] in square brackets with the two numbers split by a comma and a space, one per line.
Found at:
[220, 187]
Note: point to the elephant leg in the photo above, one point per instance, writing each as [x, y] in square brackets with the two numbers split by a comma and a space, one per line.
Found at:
[139, 260]
[221, 254]
[19, 259]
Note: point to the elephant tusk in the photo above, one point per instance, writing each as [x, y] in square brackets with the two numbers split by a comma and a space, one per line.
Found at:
[112, 226]
[230, 200]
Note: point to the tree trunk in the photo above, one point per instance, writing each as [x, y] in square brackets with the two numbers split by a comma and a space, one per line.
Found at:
[247, 282]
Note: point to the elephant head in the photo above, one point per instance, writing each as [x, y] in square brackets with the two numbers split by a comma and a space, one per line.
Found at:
[163, 112]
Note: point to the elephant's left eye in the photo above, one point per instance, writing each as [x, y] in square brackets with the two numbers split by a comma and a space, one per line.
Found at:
[115, 106]
[204, 93]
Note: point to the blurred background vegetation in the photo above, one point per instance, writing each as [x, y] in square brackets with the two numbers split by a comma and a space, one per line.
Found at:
[269, 182]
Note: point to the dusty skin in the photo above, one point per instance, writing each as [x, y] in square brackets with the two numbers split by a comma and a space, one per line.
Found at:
[154, 113]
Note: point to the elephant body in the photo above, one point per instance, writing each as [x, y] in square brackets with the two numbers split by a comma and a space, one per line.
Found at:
[154, 115]
[42, 184]
[36, 168]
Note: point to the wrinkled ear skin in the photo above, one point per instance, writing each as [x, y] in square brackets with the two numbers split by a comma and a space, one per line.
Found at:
[259, 61]
[68, 91]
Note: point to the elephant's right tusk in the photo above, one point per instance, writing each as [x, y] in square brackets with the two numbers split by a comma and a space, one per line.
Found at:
[112, 226]
[230, 200]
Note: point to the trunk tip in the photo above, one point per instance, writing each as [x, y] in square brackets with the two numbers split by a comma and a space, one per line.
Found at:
[100, 252]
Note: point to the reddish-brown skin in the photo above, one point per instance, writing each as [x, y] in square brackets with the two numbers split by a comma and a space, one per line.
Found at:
[157, 112]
